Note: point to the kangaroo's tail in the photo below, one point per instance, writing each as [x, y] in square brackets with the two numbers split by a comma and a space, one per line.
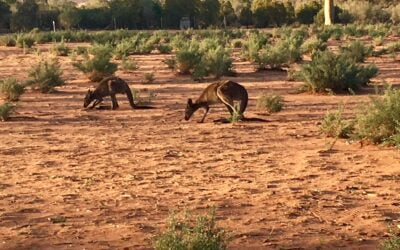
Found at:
[130, 97]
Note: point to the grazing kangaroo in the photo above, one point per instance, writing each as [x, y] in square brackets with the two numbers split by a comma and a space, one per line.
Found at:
[109, 86]
[226, 92]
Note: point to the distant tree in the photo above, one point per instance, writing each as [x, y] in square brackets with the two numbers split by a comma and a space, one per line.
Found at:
[26, 16]
[95, 18]
[227, 12]
[158, 13]
[246, 16]
[126, 13]
[5, 15]
[69, 17]
[258, 8]
[174, 10]
[208, 12]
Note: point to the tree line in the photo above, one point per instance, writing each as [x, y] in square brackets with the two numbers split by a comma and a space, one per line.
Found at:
[155, 14]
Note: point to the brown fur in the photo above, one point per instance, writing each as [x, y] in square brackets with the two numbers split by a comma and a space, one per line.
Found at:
[226, 92]
[109, 87]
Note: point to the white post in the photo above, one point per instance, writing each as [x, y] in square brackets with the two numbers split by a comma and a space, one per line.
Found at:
[54, 26]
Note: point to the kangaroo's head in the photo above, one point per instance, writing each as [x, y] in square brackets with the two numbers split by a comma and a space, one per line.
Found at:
[88, 98]
[190, 109]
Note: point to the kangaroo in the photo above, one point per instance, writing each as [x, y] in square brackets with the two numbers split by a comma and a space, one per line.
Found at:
[109, 86]
[226, 92]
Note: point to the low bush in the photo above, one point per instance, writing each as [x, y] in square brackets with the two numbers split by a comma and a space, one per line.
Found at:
[313, 45]
[61, 49]
[379, 121]
[129, 64]
[7, 40]
[98, 64]
[330, 72]
[393, 242]
[334, 125]
[5, 111]
[186, 232]
[148, 77]
[218, 62]
[45, 76]
[11, 89]
[25, 41]
[187, 58]
[271, 103]
[357, 51]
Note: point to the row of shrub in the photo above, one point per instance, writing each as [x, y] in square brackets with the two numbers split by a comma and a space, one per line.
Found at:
[141, 42]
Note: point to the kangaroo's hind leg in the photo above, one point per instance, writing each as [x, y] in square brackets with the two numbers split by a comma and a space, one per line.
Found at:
[114, 101]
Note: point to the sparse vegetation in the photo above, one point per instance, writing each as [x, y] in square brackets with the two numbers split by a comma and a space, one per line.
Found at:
[5, 111]
[271, 103]
[187, 232]
[378, 121]
[11, 89]
[144, 97]
[129, 64]
[149, 77]
[46, 75]
[392, 243]
[335, 125]
[61, 49]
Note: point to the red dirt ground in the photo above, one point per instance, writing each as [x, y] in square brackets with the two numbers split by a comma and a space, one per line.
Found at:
[117, 175]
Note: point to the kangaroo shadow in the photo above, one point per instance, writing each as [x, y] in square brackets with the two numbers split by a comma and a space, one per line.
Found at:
[106, 107]
[245, 119]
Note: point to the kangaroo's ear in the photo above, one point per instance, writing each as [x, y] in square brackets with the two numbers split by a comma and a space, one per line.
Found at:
[190, 102]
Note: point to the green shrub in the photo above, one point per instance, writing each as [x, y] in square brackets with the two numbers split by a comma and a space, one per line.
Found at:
[8, 41]
[253, 45]
[5, 111]
[45, 76]
[237, 43]
[81, 50]
[164, 48]
[313, 45]
[330, 72]
[334, 125]
[379, 121]
[186, 232]
[129, 64]
[61, 49]
[393, 242]
[271, 103]
[149, 78]
[25, 41]
[99, 65]
[280, 54]
[357, 51]
[187, 58]
[170, 62]
[11, 89]
[218, 62]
